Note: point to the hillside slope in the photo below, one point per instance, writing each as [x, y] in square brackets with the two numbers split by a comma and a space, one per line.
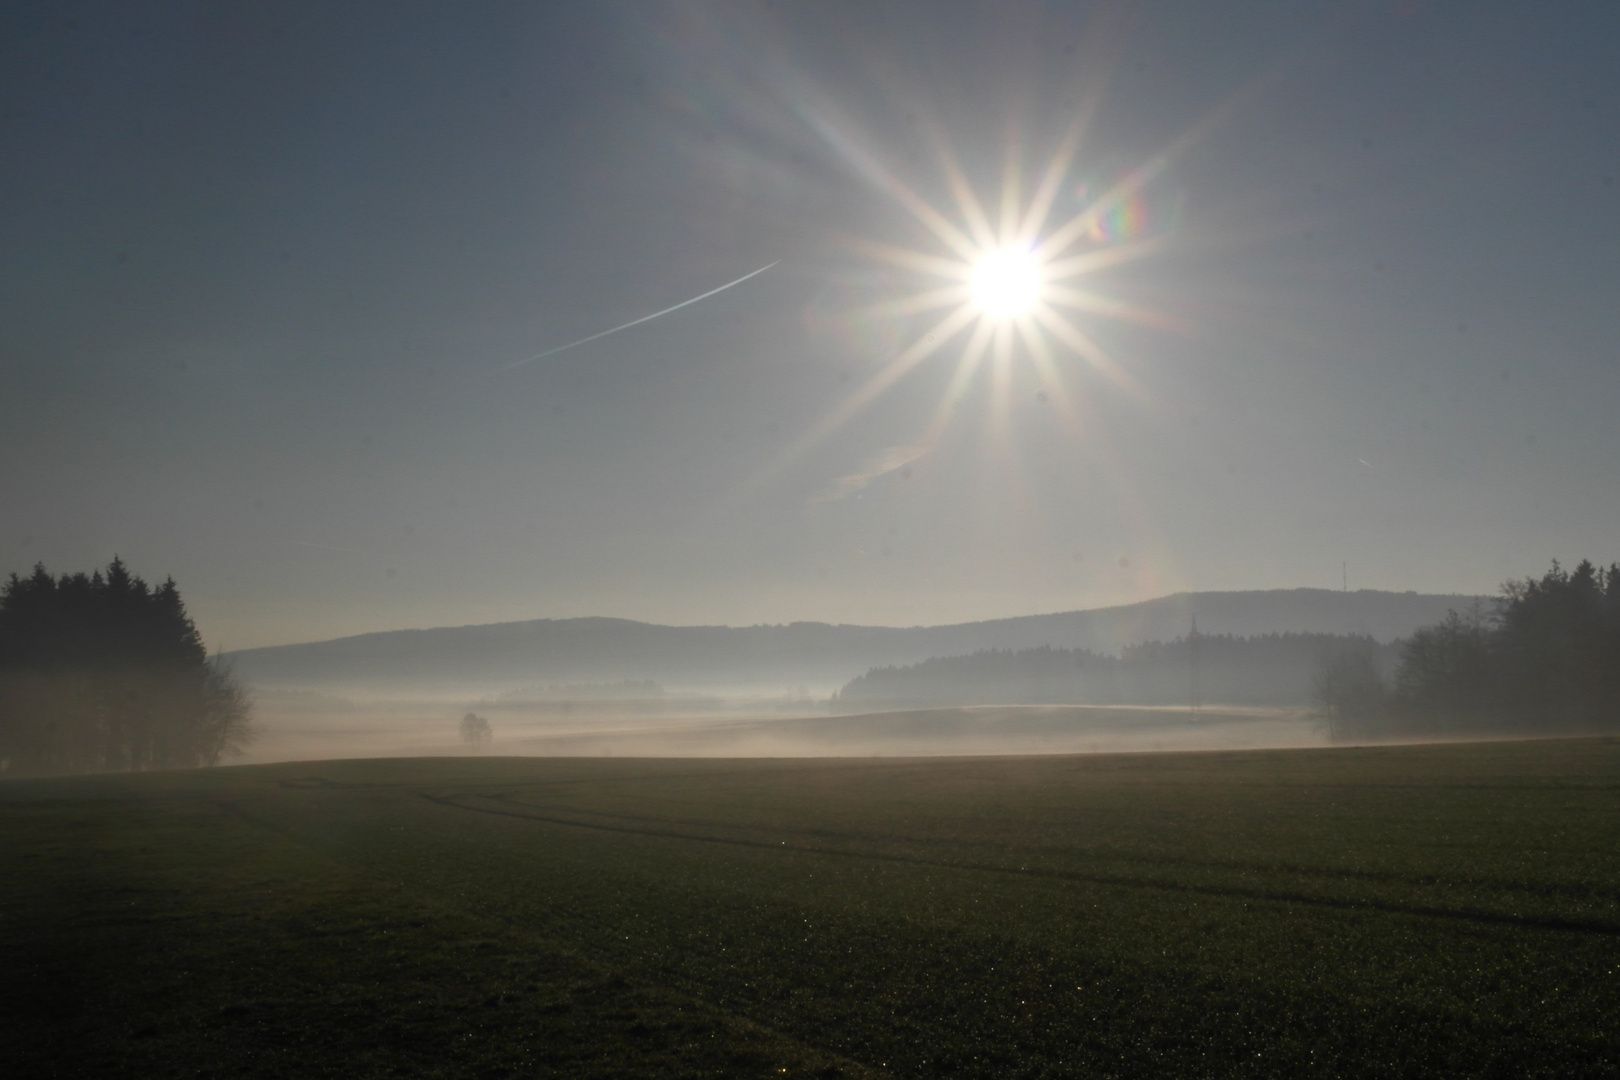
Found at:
[1269, 670]
[818, 655]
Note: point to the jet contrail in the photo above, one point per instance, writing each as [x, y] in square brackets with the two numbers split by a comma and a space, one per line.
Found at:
[895, 457]
[633, 322]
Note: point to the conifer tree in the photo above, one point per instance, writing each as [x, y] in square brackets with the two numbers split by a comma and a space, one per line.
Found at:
[1546, 661]
[103, 672]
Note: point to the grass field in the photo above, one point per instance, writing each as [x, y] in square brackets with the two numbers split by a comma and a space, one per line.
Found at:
[1405, 911]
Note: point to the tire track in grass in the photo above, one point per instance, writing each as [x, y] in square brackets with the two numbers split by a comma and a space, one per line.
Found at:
[1126, 881]
[1381, 877]
[604, 968]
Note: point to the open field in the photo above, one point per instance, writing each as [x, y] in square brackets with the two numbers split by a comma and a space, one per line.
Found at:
[330, 727]
[1397, 911]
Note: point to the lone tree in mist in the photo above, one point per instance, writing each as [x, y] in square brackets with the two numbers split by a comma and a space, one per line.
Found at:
[104, 673]
[1350, 691]
[475, 730]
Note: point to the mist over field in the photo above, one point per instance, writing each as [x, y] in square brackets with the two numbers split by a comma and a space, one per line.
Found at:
[1038, 684]
[418, 728]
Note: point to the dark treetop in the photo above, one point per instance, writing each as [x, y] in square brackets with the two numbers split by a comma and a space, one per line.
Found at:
[105, 672]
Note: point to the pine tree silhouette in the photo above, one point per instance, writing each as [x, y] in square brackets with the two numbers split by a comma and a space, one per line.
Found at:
[103, 672]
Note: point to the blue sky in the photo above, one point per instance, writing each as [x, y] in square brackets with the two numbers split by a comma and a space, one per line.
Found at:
[262, 267]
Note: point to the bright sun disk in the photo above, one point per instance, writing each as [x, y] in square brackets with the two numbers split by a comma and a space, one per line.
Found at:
[1006, 283]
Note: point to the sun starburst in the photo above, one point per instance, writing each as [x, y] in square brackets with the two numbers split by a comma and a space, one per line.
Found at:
[1013, 290]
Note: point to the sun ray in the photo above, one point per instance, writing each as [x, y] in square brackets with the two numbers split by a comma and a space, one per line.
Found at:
[1121, 310]
[978, 344]
[1009, 263]
[1087, 425]
[1011, 187]
[1092, 261]
[908, 259]
[1065, 236]
[1008, 271]
[1004, 482]
[966, 201]
[837, 135]
[934, 221]
[1092, 352]
[1085, 222]
[1049, 376]
[1040, 204]
[915, 304]
[1001, 386]
[1097, 66]
[925, 346]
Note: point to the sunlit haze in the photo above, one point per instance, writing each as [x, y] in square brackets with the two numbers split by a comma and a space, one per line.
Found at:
[365, 317]
[983, 539]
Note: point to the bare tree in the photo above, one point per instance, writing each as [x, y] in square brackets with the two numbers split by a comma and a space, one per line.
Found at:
[1350, 691]
[475, 731]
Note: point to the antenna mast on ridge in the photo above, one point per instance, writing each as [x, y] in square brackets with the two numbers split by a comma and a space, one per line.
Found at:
[1192, 654]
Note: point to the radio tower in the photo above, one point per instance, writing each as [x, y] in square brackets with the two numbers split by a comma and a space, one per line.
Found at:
[1192, 655]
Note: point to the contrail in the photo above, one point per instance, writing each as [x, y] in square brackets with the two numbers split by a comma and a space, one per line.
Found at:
[633, 322]
[895, 457]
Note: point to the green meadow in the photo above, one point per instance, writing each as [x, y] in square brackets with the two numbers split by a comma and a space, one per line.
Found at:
[1441, 910]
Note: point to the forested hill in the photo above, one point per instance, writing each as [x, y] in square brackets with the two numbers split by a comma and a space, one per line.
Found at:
[1268, 669]
[818, 655]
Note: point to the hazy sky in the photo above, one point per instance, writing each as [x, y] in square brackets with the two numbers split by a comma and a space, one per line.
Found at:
[263, 266]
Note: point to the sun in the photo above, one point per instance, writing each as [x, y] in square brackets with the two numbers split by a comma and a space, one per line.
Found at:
[1009, 277]
[1006, 283]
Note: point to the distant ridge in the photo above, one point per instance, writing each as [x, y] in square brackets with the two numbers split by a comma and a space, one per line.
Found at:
[820, 656]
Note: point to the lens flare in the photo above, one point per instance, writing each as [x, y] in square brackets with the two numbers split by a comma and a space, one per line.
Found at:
[1015, 280]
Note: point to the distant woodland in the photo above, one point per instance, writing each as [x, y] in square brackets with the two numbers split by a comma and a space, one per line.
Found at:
[475, 659]
[1266, 669]
[1542, 659]
[102, 672]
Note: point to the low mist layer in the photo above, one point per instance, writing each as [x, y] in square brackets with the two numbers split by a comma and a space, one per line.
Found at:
[315, 728]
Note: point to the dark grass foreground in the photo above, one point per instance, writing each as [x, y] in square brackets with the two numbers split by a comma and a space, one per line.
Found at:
[1419, 911]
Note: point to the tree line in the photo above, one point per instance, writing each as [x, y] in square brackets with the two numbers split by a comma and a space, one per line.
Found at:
[102, 672]
[1544, 659]
[1265, 669]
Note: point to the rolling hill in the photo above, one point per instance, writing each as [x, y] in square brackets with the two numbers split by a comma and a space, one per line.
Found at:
[821, 656]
